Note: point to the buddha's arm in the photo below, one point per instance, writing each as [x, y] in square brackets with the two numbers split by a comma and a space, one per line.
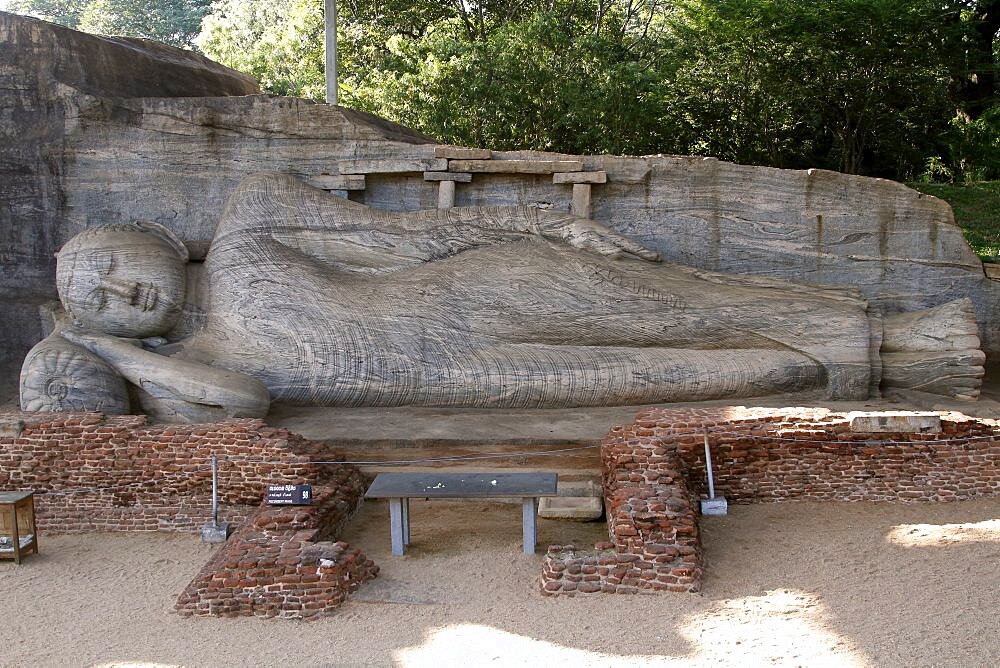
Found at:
[237, 394]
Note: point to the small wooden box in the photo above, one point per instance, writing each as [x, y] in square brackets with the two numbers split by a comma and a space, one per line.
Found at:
[18, 537]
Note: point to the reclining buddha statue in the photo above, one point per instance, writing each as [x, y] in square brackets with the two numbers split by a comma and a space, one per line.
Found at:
[311, 299]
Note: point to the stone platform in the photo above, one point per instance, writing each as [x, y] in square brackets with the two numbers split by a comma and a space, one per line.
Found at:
[567, 439]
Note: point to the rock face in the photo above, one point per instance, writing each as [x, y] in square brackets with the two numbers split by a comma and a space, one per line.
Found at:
[92, 138]
[113, 66]
[48, 75]
[69, 100]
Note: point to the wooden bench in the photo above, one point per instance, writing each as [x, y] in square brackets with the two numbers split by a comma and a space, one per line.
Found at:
[399, 488]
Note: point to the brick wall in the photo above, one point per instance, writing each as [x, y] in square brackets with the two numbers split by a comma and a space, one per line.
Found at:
[652, 524]
[654, 473]
[283, 563]
[812, 454]
[91, 472]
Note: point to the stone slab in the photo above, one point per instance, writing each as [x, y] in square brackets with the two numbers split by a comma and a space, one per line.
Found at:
[896, 422]
[580, 177]
[458, 177]
[515, 166]
[992, 270]
[462, 153]
[462, 485]
[337, 181]
[580, 508]
[392, 165]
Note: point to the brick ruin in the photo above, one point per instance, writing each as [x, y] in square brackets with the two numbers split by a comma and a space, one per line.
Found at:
[285, 561]
[92, 473]
[119, 473]
[654, 475]
[96, 473]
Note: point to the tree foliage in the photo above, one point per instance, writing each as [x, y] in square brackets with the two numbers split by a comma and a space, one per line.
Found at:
[174, 22]
[900, 88]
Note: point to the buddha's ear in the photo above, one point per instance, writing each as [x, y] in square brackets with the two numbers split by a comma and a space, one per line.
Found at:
[165, 234]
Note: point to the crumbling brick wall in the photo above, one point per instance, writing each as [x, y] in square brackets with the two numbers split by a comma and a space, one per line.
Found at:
[652, 524]
[281, 563]
[91, 472]
[812, 454]
[654, 472]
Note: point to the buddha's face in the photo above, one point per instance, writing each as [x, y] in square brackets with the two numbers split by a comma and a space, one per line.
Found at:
[125, 282]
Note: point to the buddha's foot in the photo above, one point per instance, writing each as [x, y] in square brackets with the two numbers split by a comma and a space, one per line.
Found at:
[935, 351]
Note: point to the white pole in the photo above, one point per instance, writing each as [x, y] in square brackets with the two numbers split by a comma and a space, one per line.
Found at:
[330, 21]
[215, 491]
[708, 467]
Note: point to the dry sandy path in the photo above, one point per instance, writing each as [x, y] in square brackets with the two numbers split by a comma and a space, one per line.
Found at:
[799, 584]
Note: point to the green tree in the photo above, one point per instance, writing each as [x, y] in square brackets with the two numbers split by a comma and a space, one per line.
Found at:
[279, 44]
[543, 83]
[855, 85]
[174, 22]
[63, 12]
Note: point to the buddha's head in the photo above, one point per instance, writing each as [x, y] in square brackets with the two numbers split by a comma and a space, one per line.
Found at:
[123, 279]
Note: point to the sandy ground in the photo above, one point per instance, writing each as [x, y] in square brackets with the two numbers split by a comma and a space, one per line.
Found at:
[798, 584]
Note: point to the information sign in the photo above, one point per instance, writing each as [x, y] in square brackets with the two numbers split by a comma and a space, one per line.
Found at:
[289, 495]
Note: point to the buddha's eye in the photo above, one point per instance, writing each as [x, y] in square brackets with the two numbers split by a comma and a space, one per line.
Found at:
[96, 300]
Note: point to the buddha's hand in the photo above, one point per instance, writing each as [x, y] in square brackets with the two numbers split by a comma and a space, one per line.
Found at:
[589, 235]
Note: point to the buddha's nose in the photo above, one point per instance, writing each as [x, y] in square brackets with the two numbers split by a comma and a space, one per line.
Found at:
[127, 290]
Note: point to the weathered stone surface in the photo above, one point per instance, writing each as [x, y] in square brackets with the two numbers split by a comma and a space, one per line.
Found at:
[894, 422]
[337, 181]
[462, 153]
[61, 377]
[955, 373]
[516, 166]
[580, 177]
[114, 66]
[458, 177]
[85, 142]
[11, 427]
[580, 206]
[446, 194]
[580, 508]
[936, 350]
[391, 166]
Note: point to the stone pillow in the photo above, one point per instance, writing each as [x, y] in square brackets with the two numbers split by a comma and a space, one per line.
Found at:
[62, 377]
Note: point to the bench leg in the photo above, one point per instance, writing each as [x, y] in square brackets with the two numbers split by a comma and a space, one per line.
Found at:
[406, 521]
[396, 526]
[529, 521]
